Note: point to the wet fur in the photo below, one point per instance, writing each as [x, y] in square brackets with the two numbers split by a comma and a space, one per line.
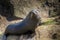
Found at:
[28, 24]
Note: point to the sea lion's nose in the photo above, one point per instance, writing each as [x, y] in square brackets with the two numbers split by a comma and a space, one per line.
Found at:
[36, 12]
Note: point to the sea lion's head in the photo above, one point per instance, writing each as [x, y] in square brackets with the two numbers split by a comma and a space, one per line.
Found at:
[34, 14]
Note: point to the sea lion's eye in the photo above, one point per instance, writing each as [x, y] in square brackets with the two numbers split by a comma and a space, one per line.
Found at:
[54, 36]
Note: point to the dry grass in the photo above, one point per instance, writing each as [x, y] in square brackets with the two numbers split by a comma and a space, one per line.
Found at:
[46, 32]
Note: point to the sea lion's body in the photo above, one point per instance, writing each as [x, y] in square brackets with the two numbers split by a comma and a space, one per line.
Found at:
[29, 23]
[21, 27]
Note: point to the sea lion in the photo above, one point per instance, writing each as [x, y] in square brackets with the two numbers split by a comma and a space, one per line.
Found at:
[28, 24]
